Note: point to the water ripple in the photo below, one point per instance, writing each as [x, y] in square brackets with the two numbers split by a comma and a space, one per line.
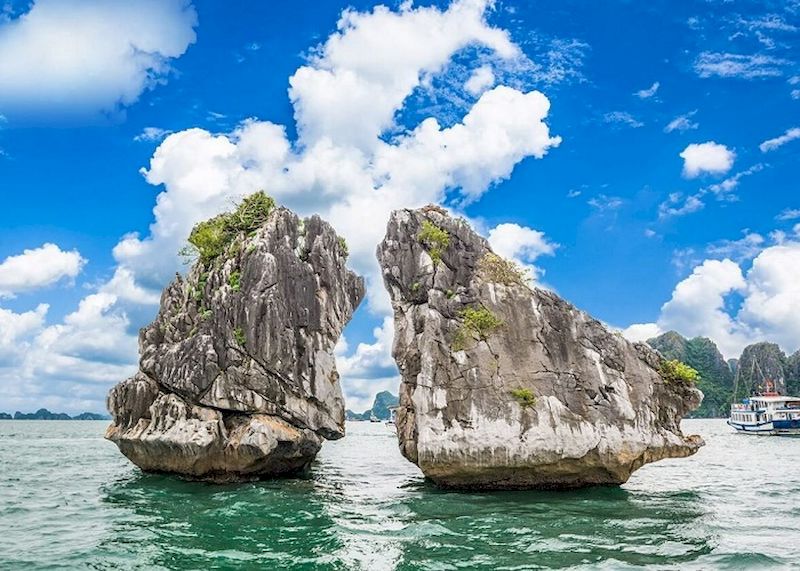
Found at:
[68, 499]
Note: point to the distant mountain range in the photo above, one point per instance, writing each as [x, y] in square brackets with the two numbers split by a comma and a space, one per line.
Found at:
[380, 408]
[718, 377]
[44, 414]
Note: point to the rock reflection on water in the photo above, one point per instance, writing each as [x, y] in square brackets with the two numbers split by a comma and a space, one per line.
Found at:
[364, 507]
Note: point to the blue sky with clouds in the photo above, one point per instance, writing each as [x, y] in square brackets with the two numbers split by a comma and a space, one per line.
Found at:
[640, 158]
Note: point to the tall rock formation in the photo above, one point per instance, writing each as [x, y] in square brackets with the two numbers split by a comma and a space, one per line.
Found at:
[759, 363]
[504, 386]
[237, 378]
[702, 354]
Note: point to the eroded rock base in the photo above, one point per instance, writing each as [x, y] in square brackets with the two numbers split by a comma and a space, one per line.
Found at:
[198, 442]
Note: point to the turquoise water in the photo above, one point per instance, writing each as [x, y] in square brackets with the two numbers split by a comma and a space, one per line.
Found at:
[69, 500]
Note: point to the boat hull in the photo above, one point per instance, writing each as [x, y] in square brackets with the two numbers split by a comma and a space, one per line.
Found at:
[772, 428]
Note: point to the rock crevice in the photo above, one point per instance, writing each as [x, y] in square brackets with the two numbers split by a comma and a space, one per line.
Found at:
[508, 386]
[237, 377]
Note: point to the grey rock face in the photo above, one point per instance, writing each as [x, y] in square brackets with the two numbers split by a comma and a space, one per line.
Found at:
[504, 386]
[237, 377]
[759, 363]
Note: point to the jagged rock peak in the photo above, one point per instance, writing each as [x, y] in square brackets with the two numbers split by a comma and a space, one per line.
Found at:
[237, 377]
[508, 386]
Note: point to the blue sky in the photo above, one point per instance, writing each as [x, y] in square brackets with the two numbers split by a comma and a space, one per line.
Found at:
[651, 181]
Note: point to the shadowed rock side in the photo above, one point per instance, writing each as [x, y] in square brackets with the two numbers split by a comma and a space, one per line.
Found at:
[237, 378]
[504, 386]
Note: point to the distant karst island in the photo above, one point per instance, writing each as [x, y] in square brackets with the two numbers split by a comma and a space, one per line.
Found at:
[380, 410]
[44, 414]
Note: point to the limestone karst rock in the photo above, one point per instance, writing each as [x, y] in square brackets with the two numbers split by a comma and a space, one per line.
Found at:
[505, 386]
[759, 363]
[237, 378]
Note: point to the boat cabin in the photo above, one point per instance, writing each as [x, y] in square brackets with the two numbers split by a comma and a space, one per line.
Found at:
[766, 413]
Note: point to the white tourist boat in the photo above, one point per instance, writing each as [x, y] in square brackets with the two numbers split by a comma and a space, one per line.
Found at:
[770, 414]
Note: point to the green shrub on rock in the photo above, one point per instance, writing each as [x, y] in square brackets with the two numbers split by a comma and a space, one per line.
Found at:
[434, 239]
[480, 321]
[477, 323]
[674, 371]
[251, 213]
[210, 238]
[343, 246]
[525, 397]
[235, 281]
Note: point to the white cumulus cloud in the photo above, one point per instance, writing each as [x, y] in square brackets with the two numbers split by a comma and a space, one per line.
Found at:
[15, 328]
[88, 56]
[708, 157]
[37, 268]
[368, 67]
[480, 80]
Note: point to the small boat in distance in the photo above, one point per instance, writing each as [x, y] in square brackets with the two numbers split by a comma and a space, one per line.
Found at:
[768, 413]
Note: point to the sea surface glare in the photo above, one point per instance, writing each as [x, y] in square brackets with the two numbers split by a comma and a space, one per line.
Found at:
[70, 500]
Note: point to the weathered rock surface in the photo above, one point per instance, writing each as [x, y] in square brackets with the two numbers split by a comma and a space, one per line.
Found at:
[237, 378]
[504, 386]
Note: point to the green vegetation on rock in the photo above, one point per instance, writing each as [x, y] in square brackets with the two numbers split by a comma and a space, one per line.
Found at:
[343, 246]
[238, 335]
[476, 323]
[235, 281]
[434, 239]
[674, 371]
[525, 397]
[212, 237]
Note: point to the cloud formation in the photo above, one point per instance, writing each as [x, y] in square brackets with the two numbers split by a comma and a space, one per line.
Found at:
[89, 56]
[682, 123]
[708, 157]
[742, 66]
[480, 80]
[622, 118]
[37, 268]
[772, 144]
[649, 92]
[677, 204]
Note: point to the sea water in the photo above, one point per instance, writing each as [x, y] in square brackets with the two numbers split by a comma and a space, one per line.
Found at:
[70, 500]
